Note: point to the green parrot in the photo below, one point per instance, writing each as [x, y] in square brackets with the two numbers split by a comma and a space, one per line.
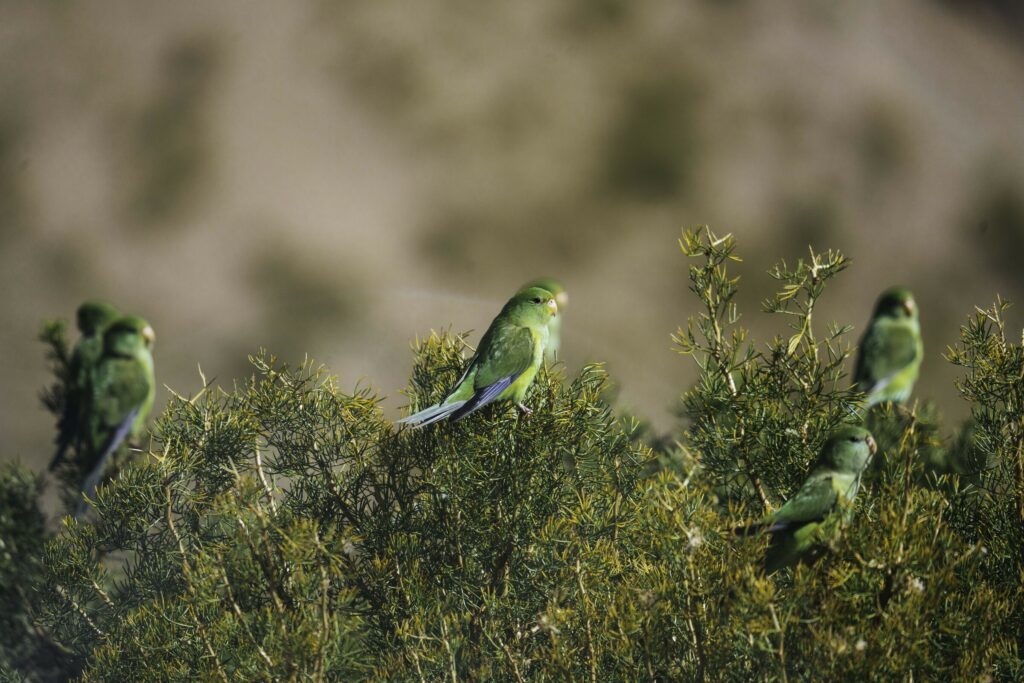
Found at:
[831, 485]
[555, 325]
[93, 318]
[505, 363]
[891, 349]
[122, 393]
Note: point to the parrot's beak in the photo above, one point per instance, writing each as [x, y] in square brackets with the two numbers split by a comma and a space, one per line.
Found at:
[552, 307]
[909, 306]
[149, 335]
[562, 299]
[872, 445]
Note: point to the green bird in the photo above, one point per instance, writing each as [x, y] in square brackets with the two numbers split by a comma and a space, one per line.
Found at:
[891, 349]
[555, 325]
[93, 318]
[831, 485]
[505, 363]
[123, 388]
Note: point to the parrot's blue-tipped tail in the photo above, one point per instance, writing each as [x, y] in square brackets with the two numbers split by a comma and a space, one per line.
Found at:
[431, 415]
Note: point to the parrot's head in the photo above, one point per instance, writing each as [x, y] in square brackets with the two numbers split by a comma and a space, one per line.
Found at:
[533, 305]
[95, 316]
[849, 449]
[552, 285]
[896, 302]
[128, 336]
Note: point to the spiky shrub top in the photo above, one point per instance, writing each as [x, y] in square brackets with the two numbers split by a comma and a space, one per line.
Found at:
[284, 529]
[757, 414]
[988, 503]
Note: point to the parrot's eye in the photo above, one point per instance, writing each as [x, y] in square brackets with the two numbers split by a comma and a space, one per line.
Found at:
[854, 439]
[536, 300]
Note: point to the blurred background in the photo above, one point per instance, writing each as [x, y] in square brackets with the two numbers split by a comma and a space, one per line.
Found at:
[332, 179]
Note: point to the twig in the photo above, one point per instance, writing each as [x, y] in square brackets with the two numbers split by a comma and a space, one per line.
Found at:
[81, 612]
[263, 478]
[102, 593]
[782, 642]
[451, 654]
[590, 638]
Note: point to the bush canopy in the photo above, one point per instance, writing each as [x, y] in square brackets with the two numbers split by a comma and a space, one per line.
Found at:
[284, 529]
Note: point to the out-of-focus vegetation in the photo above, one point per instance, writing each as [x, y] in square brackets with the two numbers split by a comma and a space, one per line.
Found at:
[411, 165]
[168, 145]
[25, 646]
[285, 529]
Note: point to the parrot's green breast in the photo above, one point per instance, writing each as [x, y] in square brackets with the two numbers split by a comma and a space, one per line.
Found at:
[517, 390]
[845, 485]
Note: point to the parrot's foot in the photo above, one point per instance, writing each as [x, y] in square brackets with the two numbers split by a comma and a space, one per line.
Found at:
[904, 411]
[526, 411]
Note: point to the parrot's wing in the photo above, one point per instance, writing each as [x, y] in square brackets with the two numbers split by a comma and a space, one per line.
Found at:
[508, 353]
[120, 389]
[885, 351]
[815, 499]
[483, 397]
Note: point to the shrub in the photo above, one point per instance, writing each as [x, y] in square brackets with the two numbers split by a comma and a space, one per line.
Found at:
[284, 529]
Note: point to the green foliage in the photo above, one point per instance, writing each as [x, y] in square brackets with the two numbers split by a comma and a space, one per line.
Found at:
[990, 511]
[757, 417]
[54, 336]
[284, 529]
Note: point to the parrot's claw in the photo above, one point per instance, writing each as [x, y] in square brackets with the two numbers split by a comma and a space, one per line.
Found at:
[526, 411]
[903, 411]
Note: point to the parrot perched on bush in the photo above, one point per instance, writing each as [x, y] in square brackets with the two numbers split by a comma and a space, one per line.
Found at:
[890, 350]
[505, 363]
[93, 318]
[555, 324]
[123, 387]
[832, 483]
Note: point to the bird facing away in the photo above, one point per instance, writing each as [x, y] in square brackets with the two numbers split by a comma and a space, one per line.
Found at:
[555, 324]
[832, 484]
[891, 349]
[505, 363]
[122, 393]
[93, 318]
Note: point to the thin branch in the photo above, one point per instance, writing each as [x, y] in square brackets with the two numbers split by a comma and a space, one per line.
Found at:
[590, 635]
[81, 612]
[263, 478]
[238, 612]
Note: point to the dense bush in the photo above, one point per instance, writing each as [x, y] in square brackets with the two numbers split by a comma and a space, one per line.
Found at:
[284, 529]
